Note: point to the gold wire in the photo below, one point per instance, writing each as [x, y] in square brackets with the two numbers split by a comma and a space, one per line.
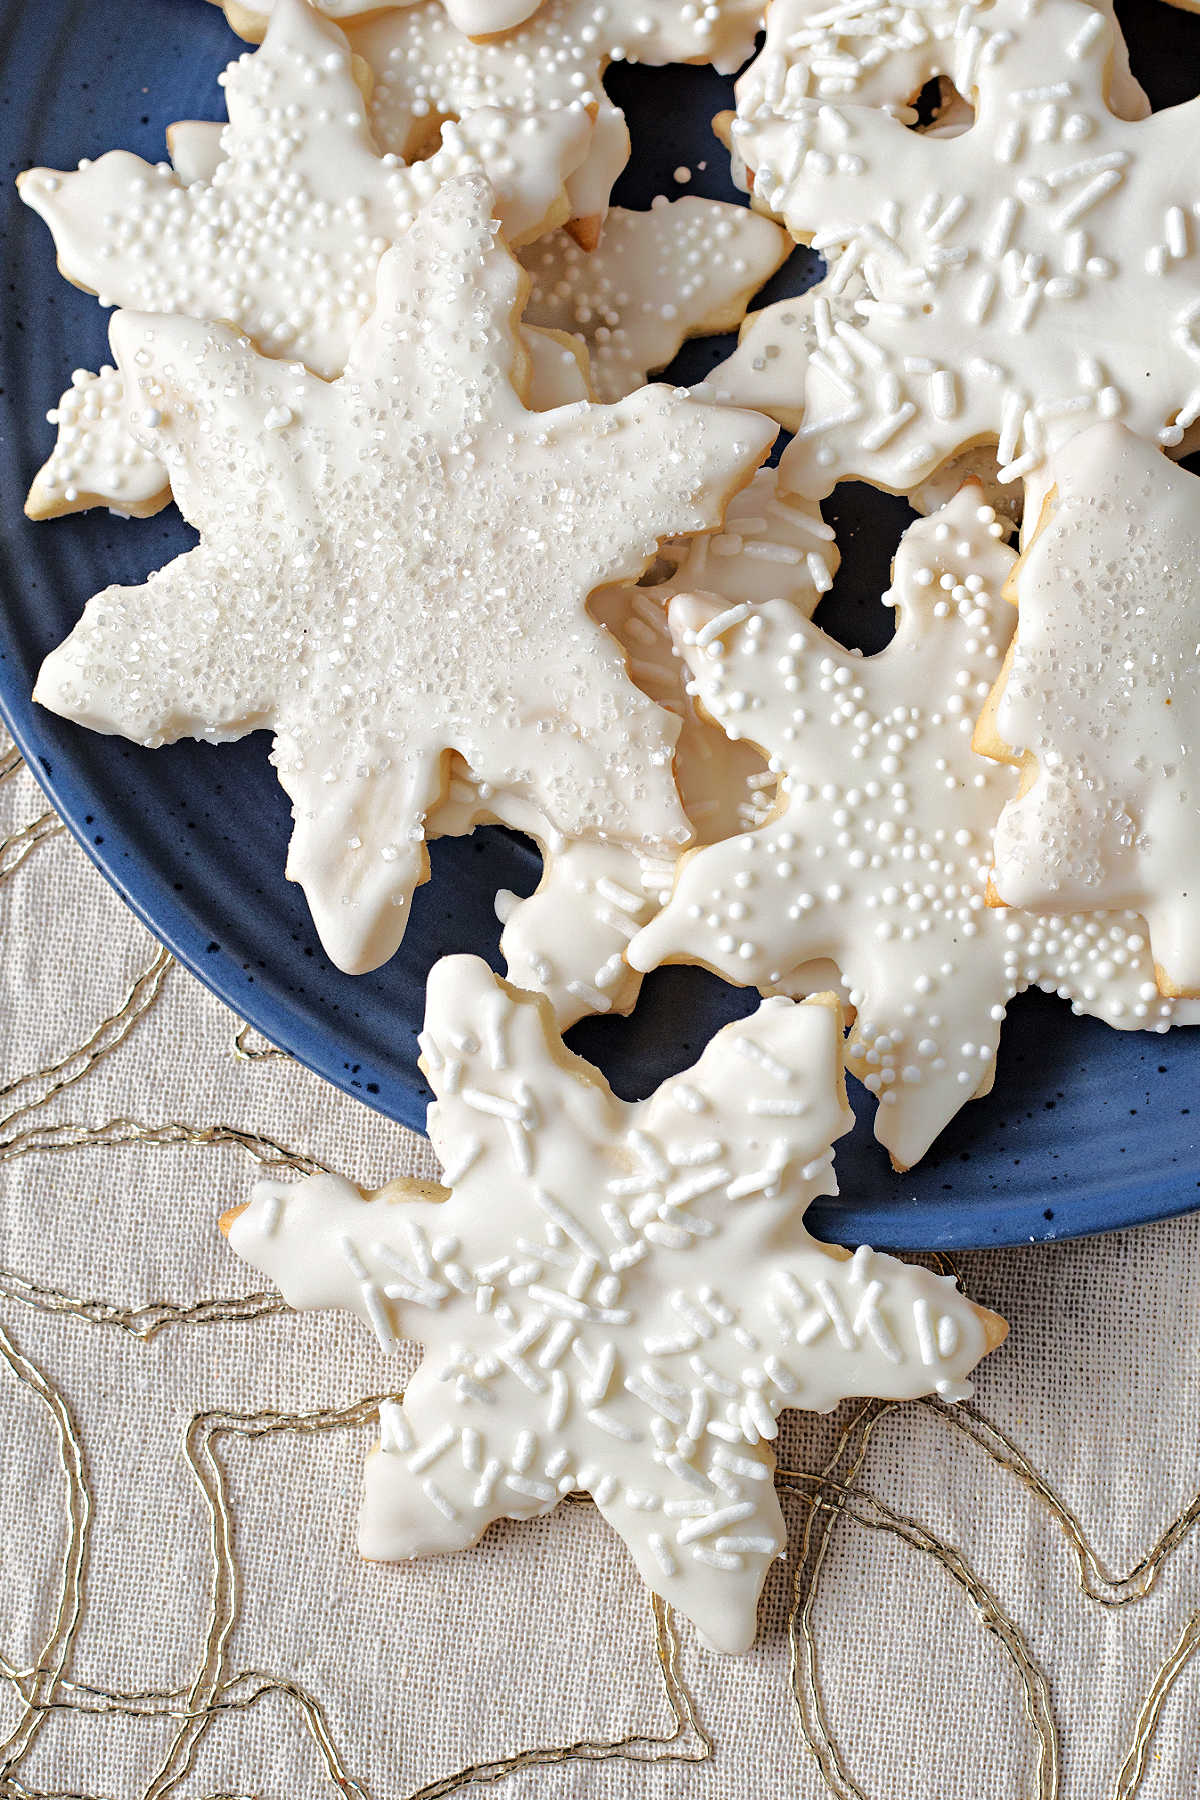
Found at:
[11, 760]
[20, 844]
[107, 1037]
[247, 1052]
[122, 1133]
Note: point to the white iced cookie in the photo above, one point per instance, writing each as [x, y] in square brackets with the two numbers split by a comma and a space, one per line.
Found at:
[477, 18]
[1101, 694]
[685, 268]
[1020, 281]
[879, 853]
[882, 54]
[394, 566]
[566, 940]
[300, 184]
[611, 1297]
[279, 232]
[426, 71]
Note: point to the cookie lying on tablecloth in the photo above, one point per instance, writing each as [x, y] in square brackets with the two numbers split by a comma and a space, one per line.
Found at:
[1019, 281]
[566, 940]
[878, 856]
[274, 224]
[426, 72]
[1100, 699]
[394, 567]
[615, 1297]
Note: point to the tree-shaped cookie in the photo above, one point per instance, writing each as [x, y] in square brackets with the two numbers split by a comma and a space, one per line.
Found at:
[393, 567]
[1101, 694]
[426, 72]
[566, 940]
[879, 853]
[612, 1297]
[1021, 280]
[275, 224]
[685, 268]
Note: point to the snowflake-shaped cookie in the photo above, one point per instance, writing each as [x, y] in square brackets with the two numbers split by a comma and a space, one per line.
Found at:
[278, 231]
[1102, 694]
[282, 237]
[686, 268]
[566, 940]
[427, 72]
[477, 18]
[393, 566]
[879, 854]
[1021, 279]
[619, 1298]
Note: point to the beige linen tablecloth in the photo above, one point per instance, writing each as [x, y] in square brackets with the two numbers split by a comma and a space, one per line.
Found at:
[999, 1601]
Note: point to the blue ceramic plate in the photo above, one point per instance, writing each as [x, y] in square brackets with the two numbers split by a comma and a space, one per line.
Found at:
[1086, 1129]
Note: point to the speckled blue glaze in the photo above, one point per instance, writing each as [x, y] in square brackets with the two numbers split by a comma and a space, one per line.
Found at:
[1086, 1129]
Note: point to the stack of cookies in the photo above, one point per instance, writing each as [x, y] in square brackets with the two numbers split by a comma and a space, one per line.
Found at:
[386, 344]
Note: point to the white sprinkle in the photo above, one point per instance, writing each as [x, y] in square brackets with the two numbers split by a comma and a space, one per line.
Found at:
[395, 1437]
[499, 1106]
[614, 1427]
[437, 1446]
[837, 1318]
[662, 1555]
[437, 1499]
[560, 1399]
[924, 1331]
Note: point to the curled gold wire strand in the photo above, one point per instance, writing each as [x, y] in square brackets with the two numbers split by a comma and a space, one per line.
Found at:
[53, 1658]
[143, 1322]
[1096, 1580]
[19, 845]
[121, 1133]
[54, 1078]
[11, 760]
[245, 1051]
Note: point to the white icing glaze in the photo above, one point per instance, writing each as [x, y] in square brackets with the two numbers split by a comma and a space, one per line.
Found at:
[477, 18]
[427, 71]
[566, 940]
[685, 268]
[619, 1298]
[394, 565]
[299, 186]
[880, 852]
[1103, 692]
[1023, 279]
